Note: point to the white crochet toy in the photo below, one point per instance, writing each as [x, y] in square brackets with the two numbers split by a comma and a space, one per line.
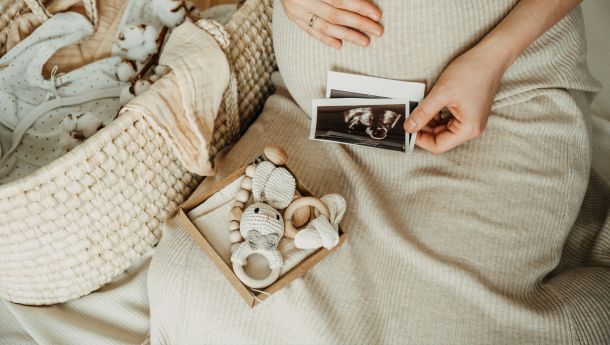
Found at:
[261, 224]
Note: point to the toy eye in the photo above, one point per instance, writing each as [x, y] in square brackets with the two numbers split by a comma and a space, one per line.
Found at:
[256, 210]
[277, 216]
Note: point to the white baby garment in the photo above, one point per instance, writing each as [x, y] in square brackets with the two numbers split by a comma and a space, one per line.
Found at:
[32, 108]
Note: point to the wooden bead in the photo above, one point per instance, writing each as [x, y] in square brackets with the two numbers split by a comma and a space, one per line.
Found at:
[238, 204]
[251, 170]
[275, 155]
[235, 236]
[234, 225]
[236, 213]
[242, 195]
[246, 183]
[234, 246]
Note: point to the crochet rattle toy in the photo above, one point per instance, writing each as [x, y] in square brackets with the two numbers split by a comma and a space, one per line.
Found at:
[261, 225]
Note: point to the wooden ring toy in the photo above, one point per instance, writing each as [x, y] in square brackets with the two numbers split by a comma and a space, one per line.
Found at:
[256, 283]
[289, 229]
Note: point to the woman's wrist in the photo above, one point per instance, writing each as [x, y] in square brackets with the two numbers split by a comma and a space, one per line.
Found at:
[493, 49]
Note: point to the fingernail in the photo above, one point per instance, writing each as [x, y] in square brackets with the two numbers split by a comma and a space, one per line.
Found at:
[375, 33]
[374, 16]
[410, 125]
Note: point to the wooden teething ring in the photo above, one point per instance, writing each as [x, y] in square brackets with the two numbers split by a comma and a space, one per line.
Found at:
[289, 230]
[256, 283]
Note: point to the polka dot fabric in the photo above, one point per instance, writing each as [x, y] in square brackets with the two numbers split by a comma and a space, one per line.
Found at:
[27, 96]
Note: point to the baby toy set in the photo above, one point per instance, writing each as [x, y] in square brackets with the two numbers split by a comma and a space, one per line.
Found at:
[261, 226]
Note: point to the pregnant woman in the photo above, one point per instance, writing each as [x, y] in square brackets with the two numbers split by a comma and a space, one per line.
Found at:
[489, 242]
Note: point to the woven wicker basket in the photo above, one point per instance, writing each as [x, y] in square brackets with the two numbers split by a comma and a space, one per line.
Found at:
[75, 224]
[12, 9]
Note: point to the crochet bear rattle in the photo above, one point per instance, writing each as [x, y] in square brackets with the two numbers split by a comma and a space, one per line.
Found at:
[259, 228]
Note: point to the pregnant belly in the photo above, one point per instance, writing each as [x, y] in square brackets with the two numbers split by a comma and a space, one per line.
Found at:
[421, 37]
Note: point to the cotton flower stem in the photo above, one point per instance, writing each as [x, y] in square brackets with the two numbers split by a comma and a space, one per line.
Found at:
[154, 59]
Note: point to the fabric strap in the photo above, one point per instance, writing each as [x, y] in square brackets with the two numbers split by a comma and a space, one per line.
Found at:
[44, 108]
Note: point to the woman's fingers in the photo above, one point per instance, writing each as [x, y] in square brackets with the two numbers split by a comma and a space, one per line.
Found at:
[324, 38]
[438, 137]
[346, 17]
[336, 19]
[426, 110]
[362, 7]
[451, 136]
[340, 32]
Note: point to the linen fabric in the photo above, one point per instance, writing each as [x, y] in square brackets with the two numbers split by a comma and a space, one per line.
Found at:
[116, 314]
[464, 248]
[503, 240]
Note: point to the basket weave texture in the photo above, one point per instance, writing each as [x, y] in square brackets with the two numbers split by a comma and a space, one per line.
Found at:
[10, 10]
[75, 224]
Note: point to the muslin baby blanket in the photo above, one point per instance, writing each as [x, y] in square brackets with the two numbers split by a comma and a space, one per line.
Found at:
[185, 102]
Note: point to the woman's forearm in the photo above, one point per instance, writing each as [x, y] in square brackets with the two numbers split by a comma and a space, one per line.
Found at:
[527, 21]
[468, 85]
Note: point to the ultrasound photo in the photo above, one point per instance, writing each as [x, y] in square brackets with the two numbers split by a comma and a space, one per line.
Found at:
[369, 122]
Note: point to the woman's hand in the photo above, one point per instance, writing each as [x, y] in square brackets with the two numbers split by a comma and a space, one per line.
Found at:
[336, 21]
[469, 84]
[466, 88]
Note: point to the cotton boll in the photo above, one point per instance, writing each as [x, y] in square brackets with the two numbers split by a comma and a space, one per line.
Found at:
[170, 12]
[126, 70]
[160, 70]
[88, 124]
[69, 123]
[67, 141]
[153, 78]
[141, 86]
[150, 38]
[127, 95]
[138, 42]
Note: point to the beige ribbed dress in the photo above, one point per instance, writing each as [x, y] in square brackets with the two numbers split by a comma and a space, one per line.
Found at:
[487, 244]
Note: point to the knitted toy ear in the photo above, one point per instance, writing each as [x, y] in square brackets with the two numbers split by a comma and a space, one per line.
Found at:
[259, 180]
[272, 185]
[280, 188]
